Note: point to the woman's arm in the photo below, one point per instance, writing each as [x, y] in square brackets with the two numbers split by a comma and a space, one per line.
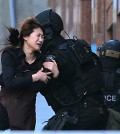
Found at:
[13, 80]
[9, 72]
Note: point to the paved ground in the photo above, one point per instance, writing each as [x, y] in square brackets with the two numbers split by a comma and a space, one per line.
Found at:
[43, 112]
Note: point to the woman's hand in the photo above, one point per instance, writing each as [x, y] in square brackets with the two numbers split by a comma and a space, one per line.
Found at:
[52, 66]
[41, 76]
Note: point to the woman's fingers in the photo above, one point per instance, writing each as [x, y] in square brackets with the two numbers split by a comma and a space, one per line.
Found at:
[47, 73]
[54, 62]
[41, 69]
[47, 79]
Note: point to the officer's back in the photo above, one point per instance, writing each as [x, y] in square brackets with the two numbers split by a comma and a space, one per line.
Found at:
[77, 91]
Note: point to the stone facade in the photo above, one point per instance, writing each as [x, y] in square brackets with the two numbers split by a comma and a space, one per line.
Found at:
[94, 20]
[12, 12]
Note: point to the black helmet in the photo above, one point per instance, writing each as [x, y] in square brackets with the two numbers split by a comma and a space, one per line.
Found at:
[110, 48]
[51, 21]
[109, 54]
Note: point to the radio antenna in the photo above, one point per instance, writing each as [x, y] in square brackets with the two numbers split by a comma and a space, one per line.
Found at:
[67, 34]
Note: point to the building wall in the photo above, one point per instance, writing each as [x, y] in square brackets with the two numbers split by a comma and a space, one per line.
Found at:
[94, 20]
[29, 8]
[4, 20]
[100, 22]
[108, 24]
[76, 15]
[118, 21]
[85, 25]
[21, 11]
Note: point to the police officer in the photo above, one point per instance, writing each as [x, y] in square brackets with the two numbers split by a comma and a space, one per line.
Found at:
[109, 53]
[75, 96]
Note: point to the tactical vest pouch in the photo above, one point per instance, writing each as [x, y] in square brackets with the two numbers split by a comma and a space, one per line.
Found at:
[64, 95]
[109, 78]
[113, 120]
[80, 50]
[58, 121]
[111, 90]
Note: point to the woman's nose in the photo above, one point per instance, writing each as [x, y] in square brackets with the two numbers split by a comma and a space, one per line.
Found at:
[41, 39]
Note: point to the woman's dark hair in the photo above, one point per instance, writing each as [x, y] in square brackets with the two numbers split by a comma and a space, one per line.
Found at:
[27, 27]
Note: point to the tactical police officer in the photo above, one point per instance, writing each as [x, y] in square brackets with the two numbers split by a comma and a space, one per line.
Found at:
[109, 53]
[75, 96]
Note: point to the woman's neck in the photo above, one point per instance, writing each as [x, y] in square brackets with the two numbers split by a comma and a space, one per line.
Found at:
[30, 55]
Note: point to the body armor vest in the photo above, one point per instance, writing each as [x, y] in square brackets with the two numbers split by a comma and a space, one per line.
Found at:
[87, 78]
[109, 54]
[111, 75]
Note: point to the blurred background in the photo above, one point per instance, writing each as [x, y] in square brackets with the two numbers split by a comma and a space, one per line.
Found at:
[93, 20]
[96, 21]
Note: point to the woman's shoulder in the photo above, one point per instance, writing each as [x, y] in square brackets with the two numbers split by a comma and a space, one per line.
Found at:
[13, 51]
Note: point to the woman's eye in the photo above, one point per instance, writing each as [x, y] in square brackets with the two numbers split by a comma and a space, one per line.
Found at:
[43, 36]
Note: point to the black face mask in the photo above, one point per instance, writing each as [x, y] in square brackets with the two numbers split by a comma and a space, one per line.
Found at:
[48, 33]
[46, 45]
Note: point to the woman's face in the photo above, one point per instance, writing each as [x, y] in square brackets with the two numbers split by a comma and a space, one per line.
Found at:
[35, 40]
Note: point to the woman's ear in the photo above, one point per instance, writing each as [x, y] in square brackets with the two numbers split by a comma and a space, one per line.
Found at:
[25, 38]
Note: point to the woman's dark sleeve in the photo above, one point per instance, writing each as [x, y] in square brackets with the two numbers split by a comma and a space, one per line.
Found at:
[10, 78]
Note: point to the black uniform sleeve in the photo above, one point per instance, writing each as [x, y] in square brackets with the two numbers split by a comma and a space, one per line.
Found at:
[10, 78]
[65, 64]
